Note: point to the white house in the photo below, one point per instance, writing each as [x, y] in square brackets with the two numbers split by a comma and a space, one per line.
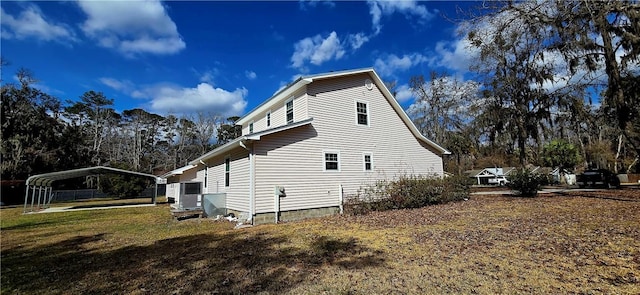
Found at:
[483, 175]
[320, 138]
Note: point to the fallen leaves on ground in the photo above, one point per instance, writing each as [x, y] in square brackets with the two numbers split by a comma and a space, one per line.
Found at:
[569, 243]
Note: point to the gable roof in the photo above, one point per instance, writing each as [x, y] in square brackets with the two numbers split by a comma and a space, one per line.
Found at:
[301, 82]
[490, 172]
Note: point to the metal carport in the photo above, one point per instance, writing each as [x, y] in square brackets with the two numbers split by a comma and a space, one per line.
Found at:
[42, 182]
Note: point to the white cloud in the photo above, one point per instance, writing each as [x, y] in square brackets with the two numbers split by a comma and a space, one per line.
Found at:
[388, 65]
[357, 40]
[380, 8]
[131, 27]
[314, 3]
[31, 23]
[171, 98]
[457, 55]
[204, 97]
[317, 50]
[119, 85]
[251, 75]
[207, 77]
[403, 93]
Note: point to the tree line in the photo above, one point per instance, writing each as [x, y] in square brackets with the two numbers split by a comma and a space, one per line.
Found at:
[540, 66]
[41, 134]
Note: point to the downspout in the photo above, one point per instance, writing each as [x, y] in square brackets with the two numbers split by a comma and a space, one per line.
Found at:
[251, 180]
[276, 204]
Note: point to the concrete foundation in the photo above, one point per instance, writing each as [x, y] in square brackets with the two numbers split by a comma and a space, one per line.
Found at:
[269, 217]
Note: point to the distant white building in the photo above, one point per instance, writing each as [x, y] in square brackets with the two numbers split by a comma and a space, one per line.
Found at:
[482, 176]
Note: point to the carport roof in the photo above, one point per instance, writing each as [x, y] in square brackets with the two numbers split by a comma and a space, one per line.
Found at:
[47, 178]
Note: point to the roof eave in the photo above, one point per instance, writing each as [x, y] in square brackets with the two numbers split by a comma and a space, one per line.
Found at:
[282, 94]
[238, 142]
[221, 149]
[403, 115]
[178, 171]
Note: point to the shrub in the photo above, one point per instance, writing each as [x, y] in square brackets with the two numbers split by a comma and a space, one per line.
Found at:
[407, 192]
[525, 183]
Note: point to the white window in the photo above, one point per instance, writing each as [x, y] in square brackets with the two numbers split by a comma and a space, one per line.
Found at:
[269, 119]
[251, 127]
[367, 161]
[362, 113]
[331, 161]
[289, 106]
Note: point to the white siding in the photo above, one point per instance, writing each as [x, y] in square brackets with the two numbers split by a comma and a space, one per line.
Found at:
[278, 114]
[294, 158]
[238, 189]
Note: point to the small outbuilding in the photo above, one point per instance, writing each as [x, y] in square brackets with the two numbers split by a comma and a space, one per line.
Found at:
[39, 189]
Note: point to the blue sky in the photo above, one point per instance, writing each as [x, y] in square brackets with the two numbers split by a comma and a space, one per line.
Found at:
[222, 57]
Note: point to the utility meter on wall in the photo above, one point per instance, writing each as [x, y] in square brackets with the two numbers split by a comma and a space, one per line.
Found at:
[280, 191]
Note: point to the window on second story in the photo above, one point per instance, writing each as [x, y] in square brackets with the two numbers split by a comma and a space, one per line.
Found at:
[251, 127]
[362, 111]
[289, 106]
[269, 119]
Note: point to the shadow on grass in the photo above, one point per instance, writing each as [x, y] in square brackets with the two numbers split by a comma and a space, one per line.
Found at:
[232, 263]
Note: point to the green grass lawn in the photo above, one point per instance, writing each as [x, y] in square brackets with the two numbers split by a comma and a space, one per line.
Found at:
[587, 243]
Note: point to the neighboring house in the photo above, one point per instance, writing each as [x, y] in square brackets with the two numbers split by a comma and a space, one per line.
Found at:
[482, 176]
[566, 177]
[319, 139]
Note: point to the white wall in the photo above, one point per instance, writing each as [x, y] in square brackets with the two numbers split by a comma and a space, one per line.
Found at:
[294, 158]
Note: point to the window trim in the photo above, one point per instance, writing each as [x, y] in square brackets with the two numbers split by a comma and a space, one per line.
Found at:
[206, 172]
[267, 119]
[324, 160]
[368, 113]
[364, 161]
[286, 111]
[227, 171]
[250, 127]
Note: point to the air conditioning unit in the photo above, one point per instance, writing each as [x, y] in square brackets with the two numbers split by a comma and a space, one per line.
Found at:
[190, 201]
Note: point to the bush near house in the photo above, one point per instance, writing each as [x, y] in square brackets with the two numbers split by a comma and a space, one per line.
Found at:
[408, 192]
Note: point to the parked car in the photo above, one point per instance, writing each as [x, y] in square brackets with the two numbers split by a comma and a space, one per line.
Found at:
[598, 178]
[499, 180]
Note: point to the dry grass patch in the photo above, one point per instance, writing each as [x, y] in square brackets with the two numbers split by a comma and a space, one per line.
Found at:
[576, 243]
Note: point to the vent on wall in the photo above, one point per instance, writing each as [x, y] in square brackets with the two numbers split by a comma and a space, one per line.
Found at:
[368, 84]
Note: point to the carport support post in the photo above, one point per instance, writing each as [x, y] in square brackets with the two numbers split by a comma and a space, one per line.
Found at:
[26, 198]
[155, 193]
[33, 196]
[48, 190]
[39, 197]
